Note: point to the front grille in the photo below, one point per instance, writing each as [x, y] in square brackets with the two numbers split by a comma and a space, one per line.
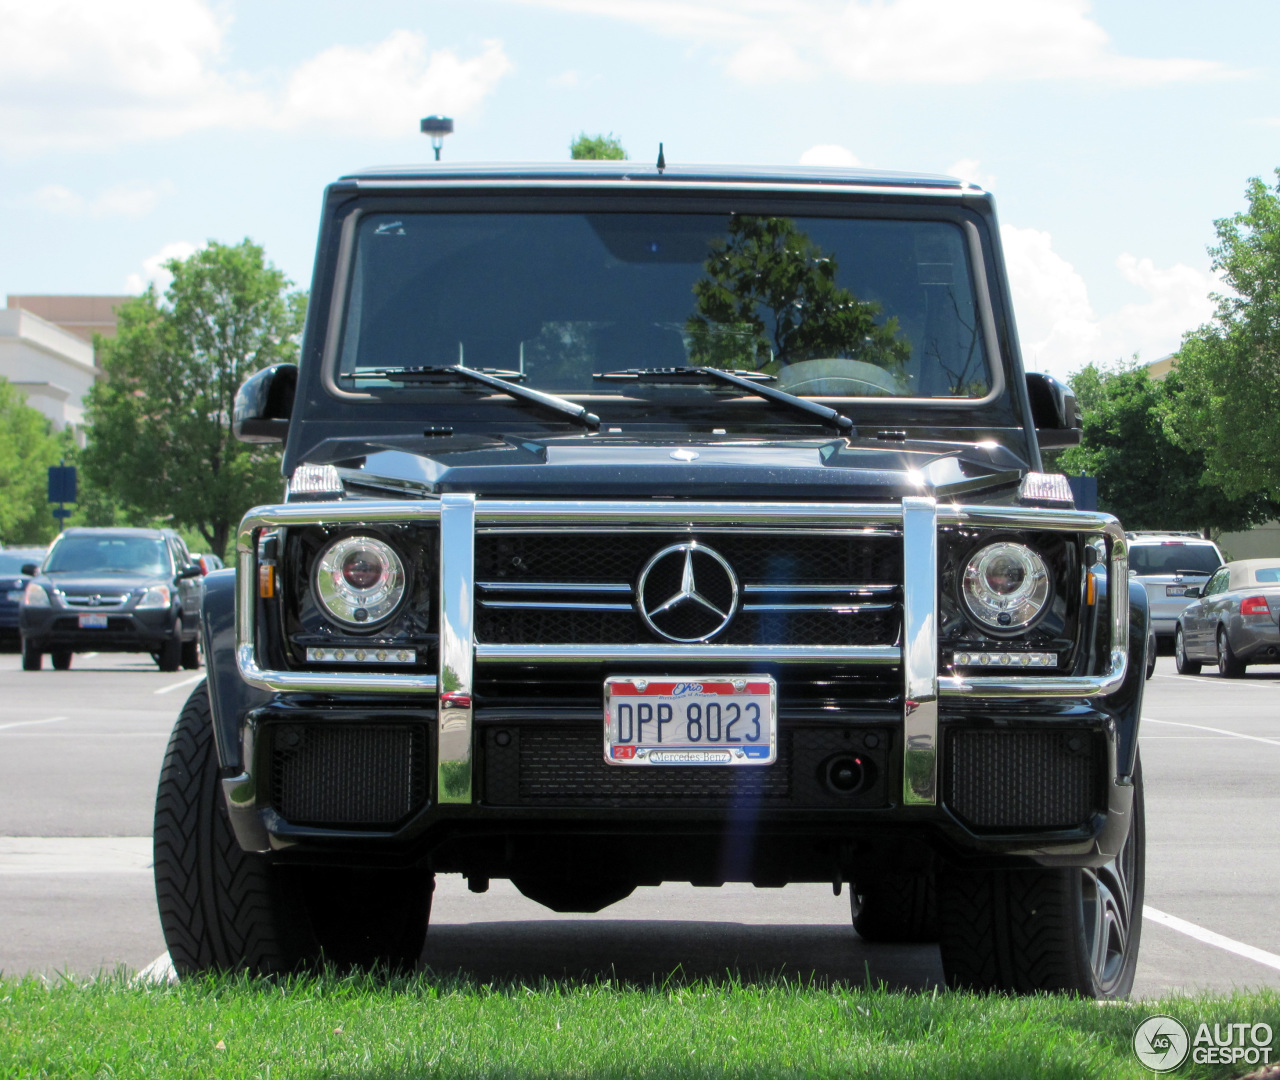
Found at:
[1024, 779]
[348, 775]
[95, 600]
[567, 587]
[564, 766]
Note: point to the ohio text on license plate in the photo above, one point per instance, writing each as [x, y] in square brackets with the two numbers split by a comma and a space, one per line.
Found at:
[1175, 590]
[722, 720]
[93, 622]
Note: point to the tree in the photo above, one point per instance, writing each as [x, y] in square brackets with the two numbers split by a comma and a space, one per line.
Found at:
[160, 439]
[1230, 408]
[1144, 478]
[768, 265]
[596, 148]
[28, 446]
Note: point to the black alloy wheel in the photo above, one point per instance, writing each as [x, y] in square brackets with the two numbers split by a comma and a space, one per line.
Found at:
[32, 657]
[1184, 665]
[61, 659]
[1230, 666]
[1070, 930]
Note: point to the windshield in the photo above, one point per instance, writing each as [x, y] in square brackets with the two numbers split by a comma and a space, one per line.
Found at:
[12, 562]
[833, 307]
[1168, 557]
[109, 554]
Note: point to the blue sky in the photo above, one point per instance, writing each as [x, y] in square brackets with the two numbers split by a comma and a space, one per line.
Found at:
[1112, 133]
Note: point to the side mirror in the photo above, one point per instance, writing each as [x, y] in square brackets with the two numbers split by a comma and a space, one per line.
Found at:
[191, 571]
[1193, 592]
[1054, 411]
[264, 404]
[30, 569]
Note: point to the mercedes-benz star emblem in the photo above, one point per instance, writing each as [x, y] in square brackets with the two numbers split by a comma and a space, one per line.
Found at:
[687, 592]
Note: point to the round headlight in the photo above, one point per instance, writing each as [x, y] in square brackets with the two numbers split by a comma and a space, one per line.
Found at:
[1005, 586]
[359, 580]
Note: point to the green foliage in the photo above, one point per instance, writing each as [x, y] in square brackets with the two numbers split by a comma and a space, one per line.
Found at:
[428, 1026]
[769, 265]
[597, 148]
[1230, 368]
[1144, 478]
[160, 443]
[28, 446]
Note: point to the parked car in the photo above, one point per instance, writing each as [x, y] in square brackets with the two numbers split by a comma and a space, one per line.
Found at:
[113, 590]
[208, 563]
[1234, 621]
[1165, 564]
[13, 583]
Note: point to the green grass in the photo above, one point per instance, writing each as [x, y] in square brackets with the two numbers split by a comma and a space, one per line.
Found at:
[364, 1027]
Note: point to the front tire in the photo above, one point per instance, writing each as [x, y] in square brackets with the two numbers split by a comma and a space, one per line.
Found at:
[191, 654]
[896, 908]
[169, 658]
[1070, 930]
[1230, 666]
[225, 909]
[1180, 660]
[61, 659]
[32, 657]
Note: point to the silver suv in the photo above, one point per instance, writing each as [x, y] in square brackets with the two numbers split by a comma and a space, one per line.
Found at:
[1166, 563]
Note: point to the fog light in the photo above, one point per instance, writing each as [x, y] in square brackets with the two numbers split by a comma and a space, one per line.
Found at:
[1005, 659]
[362, 656]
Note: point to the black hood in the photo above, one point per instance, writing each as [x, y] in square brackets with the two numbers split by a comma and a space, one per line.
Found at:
[603, 466]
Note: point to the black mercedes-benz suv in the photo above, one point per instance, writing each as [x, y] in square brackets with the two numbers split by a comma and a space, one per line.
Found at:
[113, 590]
[656, 525]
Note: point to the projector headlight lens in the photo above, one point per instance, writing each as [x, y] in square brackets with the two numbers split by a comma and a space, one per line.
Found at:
[359, 580]
[1005, 586]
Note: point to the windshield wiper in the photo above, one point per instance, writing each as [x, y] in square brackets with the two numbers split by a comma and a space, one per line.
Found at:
[455, 372]
[752, 385]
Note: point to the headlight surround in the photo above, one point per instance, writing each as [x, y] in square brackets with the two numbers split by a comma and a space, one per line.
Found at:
[156, 596]
[359, 581]
[1006, 586]
[35, 596]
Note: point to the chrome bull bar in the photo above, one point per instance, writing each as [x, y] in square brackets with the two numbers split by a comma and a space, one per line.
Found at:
[461, 516]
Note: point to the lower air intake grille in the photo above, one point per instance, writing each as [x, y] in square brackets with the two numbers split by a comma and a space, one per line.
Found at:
[1024, 779]
[352, 775]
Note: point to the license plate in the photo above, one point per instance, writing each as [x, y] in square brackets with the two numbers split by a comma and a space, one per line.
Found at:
[719, 720]
[93, 622]
[16, 595]
[1175, 590]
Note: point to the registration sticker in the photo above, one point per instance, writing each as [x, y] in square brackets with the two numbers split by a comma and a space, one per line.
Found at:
[716, 720]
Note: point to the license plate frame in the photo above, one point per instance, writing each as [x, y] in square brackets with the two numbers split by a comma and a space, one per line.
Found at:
[90, 621]
[1175, 590]
[629, 747]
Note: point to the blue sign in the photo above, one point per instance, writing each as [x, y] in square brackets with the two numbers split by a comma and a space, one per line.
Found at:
[1085, 489]
[62, 484]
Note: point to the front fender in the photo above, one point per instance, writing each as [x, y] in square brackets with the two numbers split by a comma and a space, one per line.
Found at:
[230, 697]
[1126, 703]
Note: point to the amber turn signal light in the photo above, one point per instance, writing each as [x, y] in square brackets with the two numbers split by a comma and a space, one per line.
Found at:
[266, 581]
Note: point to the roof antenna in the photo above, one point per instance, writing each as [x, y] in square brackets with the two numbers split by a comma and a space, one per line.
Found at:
[662, 161]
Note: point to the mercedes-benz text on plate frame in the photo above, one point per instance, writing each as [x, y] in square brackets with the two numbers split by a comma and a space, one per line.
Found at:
[717, 720]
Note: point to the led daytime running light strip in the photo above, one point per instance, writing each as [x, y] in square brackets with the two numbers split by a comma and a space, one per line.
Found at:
[1005, 659]
[362, 656]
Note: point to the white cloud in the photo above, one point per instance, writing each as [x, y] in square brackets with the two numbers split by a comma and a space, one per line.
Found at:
[568, 79]
[153, 268]
[830, 154]
[1061, 331]
[900, 41]
[124, 200]
[79, 74]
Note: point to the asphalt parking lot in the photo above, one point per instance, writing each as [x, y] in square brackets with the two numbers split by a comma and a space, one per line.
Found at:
[80, 752]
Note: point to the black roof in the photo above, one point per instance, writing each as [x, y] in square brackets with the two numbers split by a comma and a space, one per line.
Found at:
[589, 171]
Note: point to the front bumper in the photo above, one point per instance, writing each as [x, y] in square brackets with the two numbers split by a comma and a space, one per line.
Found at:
[126, 630]
[929, 704]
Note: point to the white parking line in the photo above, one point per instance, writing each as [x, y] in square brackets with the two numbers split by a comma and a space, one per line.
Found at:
[1260, 956]
[179, 685]
[160, 970]
[1215, 730]
[1220, 682]
[28, 723]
